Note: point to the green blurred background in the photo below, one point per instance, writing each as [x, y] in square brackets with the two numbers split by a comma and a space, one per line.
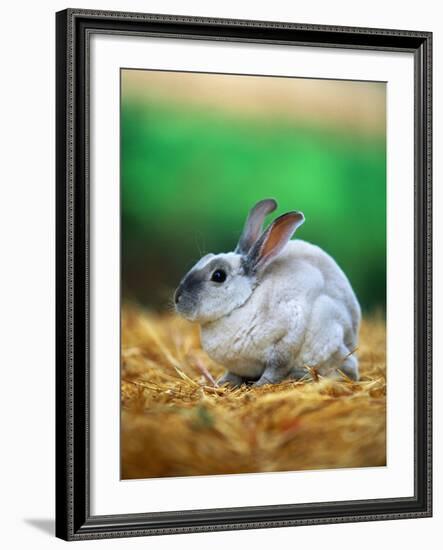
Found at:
[198, 150]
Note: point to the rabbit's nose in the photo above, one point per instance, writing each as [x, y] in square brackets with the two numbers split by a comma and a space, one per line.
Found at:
[178, 294]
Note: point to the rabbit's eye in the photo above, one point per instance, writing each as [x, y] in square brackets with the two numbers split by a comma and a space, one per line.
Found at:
[219, 276]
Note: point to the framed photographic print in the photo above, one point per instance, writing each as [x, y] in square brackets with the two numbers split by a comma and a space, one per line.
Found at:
[243, 274]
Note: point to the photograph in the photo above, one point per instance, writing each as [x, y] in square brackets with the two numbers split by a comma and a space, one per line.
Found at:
[253, 274]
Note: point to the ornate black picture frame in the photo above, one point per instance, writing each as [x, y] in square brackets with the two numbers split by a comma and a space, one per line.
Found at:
[73, 518]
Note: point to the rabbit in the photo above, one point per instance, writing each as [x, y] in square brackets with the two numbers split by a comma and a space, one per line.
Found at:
[274, 306]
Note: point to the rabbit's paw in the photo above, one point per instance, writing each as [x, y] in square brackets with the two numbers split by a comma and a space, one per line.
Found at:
[350, 368]
[274, 373]
[231, 379]
[262, 381]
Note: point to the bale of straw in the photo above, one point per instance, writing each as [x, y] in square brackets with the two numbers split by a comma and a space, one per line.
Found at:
[176, 421]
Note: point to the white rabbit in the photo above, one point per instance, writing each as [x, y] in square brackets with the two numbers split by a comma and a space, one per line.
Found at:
[273, 307]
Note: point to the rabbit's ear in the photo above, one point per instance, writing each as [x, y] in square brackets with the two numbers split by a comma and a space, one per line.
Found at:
[253, 226]
[273, 240]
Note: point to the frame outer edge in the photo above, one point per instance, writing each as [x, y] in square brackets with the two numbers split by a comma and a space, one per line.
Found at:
[187, 19]
[428, 267]
[72, 521]
[62, 409]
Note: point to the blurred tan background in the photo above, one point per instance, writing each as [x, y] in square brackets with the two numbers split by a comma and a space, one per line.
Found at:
[353, 105]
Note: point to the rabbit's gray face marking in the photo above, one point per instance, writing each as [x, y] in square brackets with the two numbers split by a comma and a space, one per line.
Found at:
[213, 288]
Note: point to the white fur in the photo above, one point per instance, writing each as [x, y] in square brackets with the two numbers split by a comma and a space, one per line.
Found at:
[301, 310]
[217, 301]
